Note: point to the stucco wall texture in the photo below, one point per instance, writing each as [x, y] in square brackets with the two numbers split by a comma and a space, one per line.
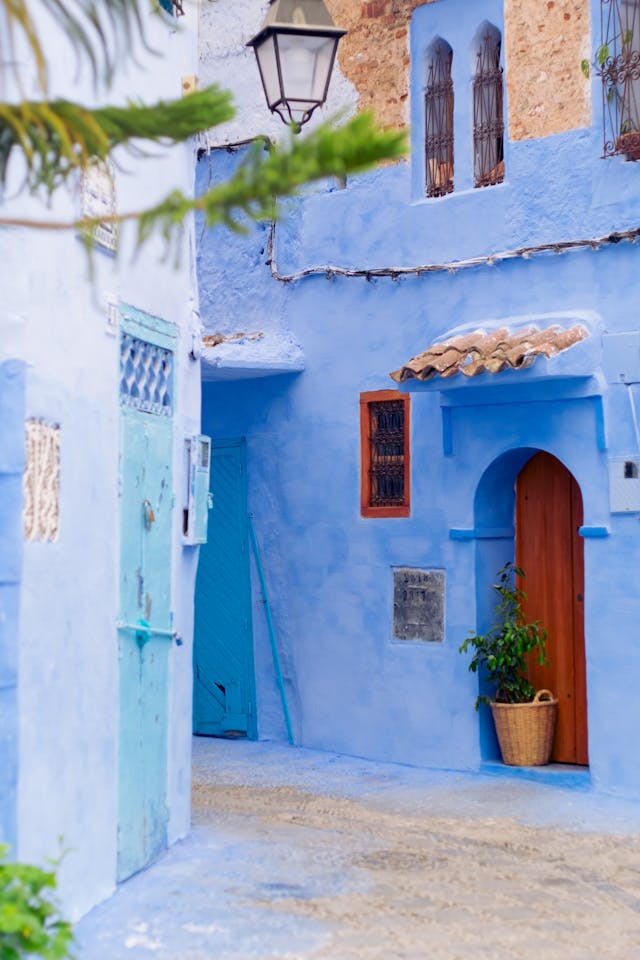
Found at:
[544, 45]
[374, 55]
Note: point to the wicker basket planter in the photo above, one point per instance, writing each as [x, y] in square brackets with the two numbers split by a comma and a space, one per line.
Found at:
[525, 730]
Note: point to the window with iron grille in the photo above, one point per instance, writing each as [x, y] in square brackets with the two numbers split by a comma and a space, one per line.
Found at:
[618, 65]
[384, 433]
[488, 116]
[146, 376]
[439, 119]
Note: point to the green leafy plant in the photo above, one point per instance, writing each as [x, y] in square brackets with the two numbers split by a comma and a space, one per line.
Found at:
[602, 55]
[500, 654]
[30, 922]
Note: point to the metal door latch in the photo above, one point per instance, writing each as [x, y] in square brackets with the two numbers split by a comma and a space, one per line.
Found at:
[149, 515]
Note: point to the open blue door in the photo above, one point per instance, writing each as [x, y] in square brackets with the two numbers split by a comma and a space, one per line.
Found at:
[224, 682]
[145, 621]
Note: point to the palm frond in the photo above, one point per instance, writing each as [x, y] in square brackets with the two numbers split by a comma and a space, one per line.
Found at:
[102, 34]
[57, 137]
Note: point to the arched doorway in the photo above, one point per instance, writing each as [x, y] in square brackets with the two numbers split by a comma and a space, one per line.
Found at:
[550, 550]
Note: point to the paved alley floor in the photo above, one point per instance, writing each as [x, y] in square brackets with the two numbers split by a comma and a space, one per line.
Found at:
[305, 855]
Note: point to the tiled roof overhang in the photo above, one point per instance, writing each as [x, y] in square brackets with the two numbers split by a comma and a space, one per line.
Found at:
[481, 352]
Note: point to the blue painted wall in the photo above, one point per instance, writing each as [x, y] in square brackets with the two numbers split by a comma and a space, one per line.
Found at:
[11, 466]
[355, 689]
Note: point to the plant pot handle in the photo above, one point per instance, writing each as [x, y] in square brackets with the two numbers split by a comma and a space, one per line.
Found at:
[542, 696]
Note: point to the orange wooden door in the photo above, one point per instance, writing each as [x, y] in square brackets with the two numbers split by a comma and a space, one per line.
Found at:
[550, 552]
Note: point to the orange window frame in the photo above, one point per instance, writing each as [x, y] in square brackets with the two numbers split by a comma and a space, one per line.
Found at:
[366, 508]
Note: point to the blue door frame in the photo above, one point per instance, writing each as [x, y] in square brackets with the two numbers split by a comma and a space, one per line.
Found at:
[12, 432]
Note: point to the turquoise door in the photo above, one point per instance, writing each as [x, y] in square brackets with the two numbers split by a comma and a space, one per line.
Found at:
[145, 621]
[224, 684]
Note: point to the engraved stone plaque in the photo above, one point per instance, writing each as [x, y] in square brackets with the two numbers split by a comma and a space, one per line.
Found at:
[418, 604]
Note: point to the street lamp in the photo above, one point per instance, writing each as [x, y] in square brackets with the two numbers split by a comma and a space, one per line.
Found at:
[295, 49]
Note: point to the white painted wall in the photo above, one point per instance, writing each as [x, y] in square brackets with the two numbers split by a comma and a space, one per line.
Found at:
[68, 670]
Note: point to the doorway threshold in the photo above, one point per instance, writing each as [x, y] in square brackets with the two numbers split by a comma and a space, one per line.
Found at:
[564, 775]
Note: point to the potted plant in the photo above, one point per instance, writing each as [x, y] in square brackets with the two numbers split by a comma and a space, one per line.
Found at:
[524, 719]
[629, 140]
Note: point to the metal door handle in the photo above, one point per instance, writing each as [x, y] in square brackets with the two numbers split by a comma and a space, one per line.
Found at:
[144, 632]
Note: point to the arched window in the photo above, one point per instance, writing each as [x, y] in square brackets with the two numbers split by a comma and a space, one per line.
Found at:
[618, 59]
[488, 114]
[439, 119]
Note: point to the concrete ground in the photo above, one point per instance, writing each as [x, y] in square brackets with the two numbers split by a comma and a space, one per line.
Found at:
[299, 854]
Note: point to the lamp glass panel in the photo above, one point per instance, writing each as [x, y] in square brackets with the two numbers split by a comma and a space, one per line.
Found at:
[268, 63]
[305, 63]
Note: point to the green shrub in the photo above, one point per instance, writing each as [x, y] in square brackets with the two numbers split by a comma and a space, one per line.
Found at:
[30, 922]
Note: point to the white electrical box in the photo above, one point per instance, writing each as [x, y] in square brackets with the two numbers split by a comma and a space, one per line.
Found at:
[197, 500]
[624, 485]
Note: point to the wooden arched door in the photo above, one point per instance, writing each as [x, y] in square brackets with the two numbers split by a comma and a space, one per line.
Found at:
[550, 552]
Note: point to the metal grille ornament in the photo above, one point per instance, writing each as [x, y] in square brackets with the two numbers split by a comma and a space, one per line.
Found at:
[146, 376]
[618, 66]
[387, 429]
[439, 122]
[41, 482]
[488, 113]
[98, 199]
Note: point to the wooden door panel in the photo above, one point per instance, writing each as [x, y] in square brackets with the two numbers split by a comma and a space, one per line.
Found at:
[145, 598]
[550, 551]
[224, 692]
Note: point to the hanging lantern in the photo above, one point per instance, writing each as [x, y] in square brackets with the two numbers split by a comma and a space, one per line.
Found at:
[296, 50]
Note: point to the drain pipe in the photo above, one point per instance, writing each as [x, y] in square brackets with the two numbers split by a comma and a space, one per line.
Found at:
[272, 631]
[634, 415]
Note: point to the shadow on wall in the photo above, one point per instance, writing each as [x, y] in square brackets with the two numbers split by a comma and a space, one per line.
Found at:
[494, 517]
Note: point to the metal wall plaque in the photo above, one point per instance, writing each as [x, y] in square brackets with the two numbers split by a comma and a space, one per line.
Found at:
[418, 604]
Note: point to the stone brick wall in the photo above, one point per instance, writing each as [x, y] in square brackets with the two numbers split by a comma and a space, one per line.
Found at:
[545, 40]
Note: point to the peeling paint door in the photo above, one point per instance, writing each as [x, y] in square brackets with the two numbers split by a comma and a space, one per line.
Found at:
[551, 553]
[224, 683]
[145, 625]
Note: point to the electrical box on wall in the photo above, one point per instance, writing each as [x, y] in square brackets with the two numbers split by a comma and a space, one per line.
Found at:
[197, 501]
[624, 485]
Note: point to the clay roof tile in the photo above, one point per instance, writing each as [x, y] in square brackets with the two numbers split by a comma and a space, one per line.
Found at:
[474, 353]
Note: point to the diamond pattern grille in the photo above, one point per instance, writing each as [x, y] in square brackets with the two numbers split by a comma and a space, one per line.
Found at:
[146, 376]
